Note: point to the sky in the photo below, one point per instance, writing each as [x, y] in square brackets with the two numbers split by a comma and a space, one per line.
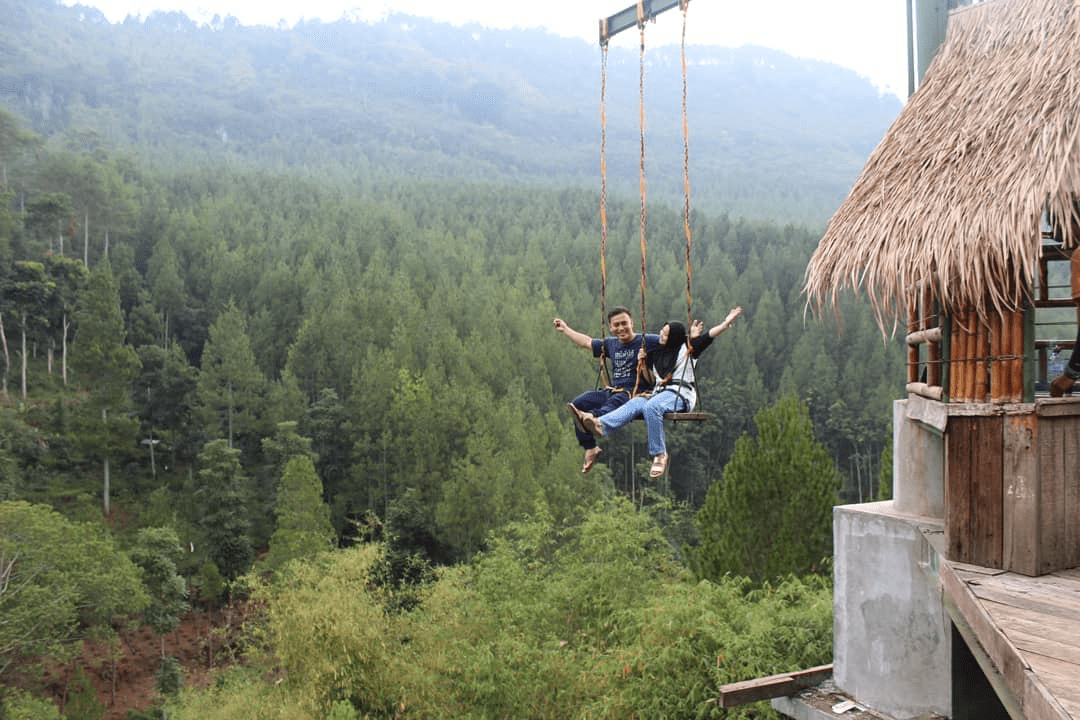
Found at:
[868, 36]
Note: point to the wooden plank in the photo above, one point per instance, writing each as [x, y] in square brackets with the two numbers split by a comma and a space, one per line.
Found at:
[1040, 703]
[1071, 480]
[1055, 407]
[958, 491]
[1004, 655]
[1020, 507]
[1049, 609]
[1052, 493]
[1052, 635]
[1056, 682]
[1059, 587]
[986, 511]
[684, 416]
[748, 691]
[1028, 628]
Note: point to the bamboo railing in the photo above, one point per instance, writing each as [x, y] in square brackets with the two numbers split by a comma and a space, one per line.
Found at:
[985, 360]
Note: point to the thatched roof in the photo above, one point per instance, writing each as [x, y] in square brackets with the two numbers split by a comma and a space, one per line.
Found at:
[955, 192]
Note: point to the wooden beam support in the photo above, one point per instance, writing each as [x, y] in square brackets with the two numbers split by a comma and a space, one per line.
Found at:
[766, 688]
[628, 18]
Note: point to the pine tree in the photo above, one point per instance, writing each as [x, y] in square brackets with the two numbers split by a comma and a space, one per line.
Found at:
[107, 367]
[231, 386]
[303, 519]
[223, 508]
[771, 514]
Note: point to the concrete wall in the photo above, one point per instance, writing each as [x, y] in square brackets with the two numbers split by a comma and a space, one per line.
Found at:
[892, 639]
[919, 457]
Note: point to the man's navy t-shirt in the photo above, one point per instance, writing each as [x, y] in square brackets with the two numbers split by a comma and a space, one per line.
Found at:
[624, 357]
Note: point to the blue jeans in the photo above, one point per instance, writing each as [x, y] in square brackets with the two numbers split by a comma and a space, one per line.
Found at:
[652, 409]
[597, 402]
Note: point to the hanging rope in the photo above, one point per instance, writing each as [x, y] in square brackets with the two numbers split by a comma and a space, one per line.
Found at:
[601, 377]
[641, 155]
[686, 172]
[603, 185]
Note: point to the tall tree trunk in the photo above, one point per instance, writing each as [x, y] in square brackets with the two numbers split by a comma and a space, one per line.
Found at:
[86, 240]
[7, 360]
[230, 414]
[23, 385]
[105, 494]
[63, 350]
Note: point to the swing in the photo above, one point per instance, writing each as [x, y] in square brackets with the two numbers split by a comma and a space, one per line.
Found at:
[637, 15]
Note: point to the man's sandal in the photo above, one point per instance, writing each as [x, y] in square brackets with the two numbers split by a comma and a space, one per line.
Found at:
[586, 422]
[659, 465]
[591, 456]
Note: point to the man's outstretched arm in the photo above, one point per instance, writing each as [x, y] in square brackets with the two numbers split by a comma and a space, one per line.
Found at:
[579, 338]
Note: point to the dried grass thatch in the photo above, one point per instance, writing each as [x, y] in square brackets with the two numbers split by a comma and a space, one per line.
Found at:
[954, 194]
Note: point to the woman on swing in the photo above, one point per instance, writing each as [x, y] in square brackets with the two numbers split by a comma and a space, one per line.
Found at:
[671, 368]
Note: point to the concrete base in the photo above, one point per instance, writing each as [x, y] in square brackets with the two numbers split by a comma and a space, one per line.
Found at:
[892, 639]
[918, 457]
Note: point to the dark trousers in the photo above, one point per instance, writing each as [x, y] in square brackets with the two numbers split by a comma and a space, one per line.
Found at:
[596, 402]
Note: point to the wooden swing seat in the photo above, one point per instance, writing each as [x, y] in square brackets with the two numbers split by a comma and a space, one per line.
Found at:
[686, 416]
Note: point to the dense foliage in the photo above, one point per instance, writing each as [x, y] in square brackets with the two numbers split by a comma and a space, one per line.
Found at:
[585, 619]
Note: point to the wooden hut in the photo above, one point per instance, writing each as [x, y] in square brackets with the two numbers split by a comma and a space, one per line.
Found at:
[959, 232]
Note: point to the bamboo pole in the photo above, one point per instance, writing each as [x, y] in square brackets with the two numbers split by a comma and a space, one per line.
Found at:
[927, 336]
[982, 350]
[933, 351]
[1016, 377]
[996, 366]
[969, 356]
[960, 353]
[913, 350]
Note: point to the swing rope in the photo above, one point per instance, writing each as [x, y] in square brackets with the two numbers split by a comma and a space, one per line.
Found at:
[641, 155]
[686, 171]
[642, 16]
[601, 376]
[641, 177]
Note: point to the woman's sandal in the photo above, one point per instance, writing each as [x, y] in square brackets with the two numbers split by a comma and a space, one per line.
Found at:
[659, 465]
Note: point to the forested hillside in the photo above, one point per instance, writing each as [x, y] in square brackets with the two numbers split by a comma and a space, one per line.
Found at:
[772, 136]
[320, 376]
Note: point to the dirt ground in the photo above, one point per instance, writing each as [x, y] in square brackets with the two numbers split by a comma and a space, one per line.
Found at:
[202, 642]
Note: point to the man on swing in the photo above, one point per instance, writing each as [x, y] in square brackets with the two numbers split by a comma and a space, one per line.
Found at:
[622, 347]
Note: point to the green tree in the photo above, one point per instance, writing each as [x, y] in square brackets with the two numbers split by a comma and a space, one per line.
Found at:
[223, 514]
[107, 368]
[166, 399]
[771, 514]
[231, 386]
[46, 217]
[157, 551]
[303, 519]
[69, 278]
[28, 293]
[58, 580]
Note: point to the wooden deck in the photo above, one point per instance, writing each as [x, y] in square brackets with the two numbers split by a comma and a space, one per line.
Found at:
[1028, 628]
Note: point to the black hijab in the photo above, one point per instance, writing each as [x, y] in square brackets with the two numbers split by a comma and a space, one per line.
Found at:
[664, 357]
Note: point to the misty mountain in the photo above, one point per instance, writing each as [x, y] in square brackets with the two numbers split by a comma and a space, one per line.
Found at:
[770, 135]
